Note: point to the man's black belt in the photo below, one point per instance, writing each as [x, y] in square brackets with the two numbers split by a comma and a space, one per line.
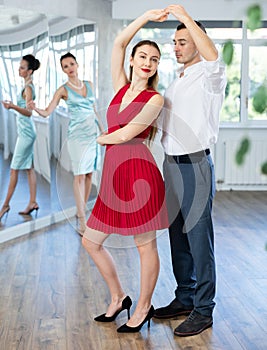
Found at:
[188, 158]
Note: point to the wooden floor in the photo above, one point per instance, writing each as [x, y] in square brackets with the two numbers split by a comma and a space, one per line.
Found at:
[50, 290]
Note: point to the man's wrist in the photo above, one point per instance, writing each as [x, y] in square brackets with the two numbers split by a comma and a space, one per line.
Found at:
[188, 20]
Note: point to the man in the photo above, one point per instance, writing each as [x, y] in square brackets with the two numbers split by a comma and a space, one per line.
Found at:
[190, 123]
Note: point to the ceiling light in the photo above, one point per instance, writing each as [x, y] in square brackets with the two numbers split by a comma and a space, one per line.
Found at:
[15, 19]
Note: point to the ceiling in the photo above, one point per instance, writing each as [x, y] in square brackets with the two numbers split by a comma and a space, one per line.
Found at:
[13, 19]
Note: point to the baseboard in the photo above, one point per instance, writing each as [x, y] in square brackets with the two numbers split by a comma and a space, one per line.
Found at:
[38, 223]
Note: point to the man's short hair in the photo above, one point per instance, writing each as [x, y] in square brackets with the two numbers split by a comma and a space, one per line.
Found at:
[182, 26]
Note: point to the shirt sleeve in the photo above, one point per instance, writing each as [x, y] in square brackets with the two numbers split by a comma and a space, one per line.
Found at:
[159, 120]
[214, 76]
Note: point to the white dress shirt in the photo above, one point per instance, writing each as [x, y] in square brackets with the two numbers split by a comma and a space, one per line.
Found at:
[189, 120]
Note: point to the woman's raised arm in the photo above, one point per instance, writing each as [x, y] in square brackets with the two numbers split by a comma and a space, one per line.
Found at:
[60, 93]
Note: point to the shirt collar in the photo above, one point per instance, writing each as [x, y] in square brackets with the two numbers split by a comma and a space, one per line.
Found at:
[189, 70]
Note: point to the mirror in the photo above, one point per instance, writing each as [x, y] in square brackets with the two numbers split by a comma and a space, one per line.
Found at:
[56, 36]
[23, 32]
[79, 38]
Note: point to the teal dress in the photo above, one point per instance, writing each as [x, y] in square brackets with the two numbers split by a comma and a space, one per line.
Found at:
[82, 131]
[23, 153]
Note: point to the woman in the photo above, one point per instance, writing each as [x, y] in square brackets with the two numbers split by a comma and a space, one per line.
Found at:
[131, 199]
[82, 131]
[23, 153]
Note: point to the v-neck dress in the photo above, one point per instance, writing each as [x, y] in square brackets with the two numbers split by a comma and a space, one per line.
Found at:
[131, 197]
[23, 153]
[82, 131]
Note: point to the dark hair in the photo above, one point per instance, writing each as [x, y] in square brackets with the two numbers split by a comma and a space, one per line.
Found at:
[152, 81]
[182, 26]
[33, 63]
[68, 54]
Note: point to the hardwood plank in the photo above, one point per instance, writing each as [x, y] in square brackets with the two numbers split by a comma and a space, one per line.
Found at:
[8, 263]
[49, 334]
[220, 336]
[243, 326]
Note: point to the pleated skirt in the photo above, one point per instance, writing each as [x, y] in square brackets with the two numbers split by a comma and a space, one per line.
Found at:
[131, 197]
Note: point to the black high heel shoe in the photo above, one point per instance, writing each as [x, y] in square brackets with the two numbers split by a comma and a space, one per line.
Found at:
[35, 206]
[126, 305]
[127, 329]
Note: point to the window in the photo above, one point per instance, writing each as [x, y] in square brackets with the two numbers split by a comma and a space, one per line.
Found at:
[257, 76]
[247, 71]
[231, 109]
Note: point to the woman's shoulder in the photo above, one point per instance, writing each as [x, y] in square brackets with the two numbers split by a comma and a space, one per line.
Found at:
[62, 91]
[89, 83]
[28, 86]
[152, 92]
[154, 96]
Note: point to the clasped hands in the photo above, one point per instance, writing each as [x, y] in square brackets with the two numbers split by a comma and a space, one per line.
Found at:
[161, 15]
[31, 105]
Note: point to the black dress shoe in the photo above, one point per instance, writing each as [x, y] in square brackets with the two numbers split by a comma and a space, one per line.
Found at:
[126, 305]
[194, 324]
[175, 308]
[127, 329]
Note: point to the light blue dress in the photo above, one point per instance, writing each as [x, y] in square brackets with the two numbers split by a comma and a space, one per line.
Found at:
[23, 153]
[83, 129]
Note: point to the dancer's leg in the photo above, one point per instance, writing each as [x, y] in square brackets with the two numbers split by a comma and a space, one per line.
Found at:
[13, 180]
[149, 260]
[93, 243]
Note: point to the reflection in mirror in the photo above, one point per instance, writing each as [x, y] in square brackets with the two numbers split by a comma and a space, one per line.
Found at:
[23, 33]
[80, 41]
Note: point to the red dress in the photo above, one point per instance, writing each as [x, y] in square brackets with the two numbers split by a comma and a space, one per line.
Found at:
[131, 198]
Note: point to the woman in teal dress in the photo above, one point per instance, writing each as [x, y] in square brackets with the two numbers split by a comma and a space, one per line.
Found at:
[23, 153]
[82, 131]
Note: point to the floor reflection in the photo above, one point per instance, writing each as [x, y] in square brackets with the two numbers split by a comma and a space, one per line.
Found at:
[62, 196]
[51, 199]
[20, 198]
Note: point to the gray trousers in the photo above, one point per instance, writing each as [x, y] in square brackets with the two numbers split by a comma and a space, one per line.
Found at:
[190, 188]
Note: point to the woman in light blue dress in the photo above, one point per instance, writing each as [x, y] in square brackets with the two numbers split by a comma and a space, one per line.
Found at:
[83, 130]
[23, 154]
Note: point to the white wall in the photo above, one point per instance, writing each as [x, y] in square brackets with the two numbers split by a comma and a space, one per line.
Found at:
[29, 32]
[247, 176]
[202, 10]
[87, 9]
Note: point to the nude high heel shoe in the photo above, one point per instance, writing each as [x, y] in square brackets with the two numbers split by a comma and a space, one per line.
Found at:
[5, 209]
[80, 224]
